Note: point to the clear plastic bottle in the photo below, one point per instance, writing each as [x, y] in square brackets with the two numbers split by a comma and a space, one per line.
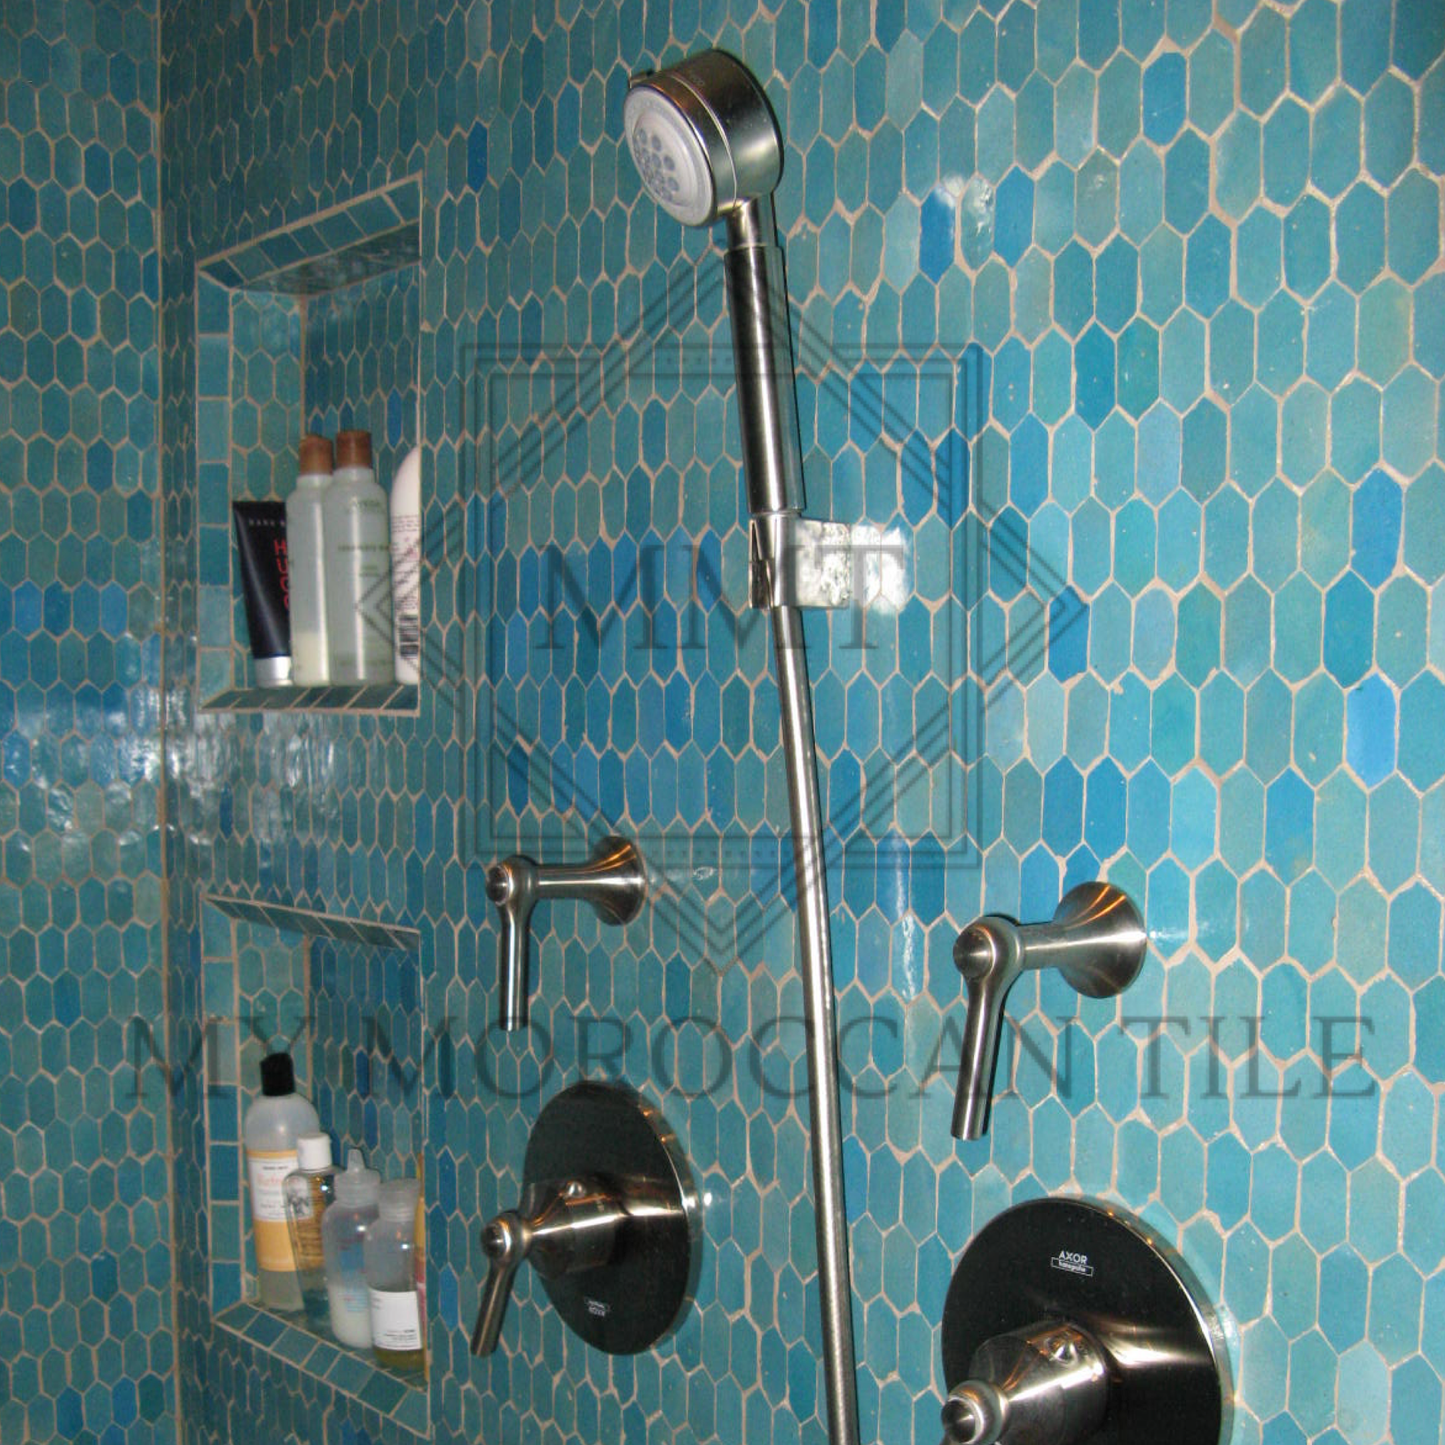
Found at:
[397, 1328]
[356, 530]
[343, 1241]
[273, 1124]
[310, 656]
[309, 1193]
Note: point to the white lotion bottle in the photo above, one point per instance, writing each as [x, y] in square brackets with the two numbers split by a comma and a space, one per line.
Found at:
[406, 568]
[310, 655]
[273, 1124]
[358, 566]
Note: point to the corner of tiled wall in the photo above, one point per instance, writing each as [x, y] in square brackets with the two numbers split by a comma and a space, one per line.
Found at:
[1125, 319]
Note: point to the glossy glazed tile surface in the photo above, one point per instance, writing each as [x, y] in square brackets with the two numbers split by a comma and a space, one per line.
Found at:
[86, 1343]
[1177, 599]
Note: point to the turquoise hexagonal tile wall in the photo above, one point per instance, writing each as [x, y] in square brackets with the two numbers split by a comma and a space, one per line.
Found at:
[87, 1348]
[1122, 323]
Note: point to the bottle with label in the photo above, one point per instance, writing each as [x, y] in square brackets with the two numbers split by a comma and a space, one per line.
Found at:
[310, 656]
[273, 1124]
[343, 1240]
[397, 1328]
[309, 1192]
[406, 567]
[356, 531]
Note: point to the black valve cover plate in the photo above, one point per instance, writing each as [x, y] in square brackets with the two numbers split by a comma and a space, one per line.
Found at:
[1073, 1259]
[610, 1133]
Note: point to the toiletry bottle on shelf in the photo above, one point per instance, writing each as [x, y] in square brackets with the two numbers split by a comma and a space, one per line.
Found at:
[265, 569]
[406, 567]
[418, 1264]
[356, 531]
[310, 657]
[273, 1124]
[397, 1328]
[309, 1193]
[343, 1238]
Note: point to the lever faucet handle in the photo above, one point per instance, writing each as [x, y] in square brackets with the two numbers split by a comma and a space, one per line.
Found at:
[572, 1226]
[1096, 939]
[1044, 1385]
[506, 1242]
[612, 881]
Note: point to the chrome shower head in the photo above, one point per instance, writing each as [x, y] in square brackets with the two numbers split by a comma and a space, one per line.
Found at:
[703, 136]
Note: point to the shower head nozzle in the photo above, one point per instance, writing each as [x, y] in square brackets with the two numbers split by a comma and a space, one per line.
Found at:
[703, 136]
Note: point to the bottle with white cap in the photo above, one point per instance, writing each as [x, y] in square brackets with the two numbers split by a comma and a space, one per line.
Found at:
[309, 1192]
[397, 1329]
[343, 1240]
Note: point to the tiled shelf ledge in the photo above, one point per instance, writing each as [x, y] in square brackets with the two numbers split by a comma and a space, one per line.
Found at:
[325, 925]
[386, 697]
[399, 1401]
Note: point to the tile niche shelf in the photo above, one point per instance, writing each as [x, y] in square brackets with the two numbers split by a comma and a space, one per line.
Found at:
[316, 980]
[312, 327]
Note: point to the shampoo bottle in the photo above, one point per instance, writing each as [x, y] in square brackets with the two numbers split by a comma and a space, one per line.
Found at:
[358, 566]
[273, 1124]
[310, 656]
[406, 567]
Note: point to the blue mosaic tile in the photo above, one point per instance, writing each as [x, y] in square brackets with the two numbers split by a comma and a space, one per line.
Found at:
[1204, 627]
[80, 904]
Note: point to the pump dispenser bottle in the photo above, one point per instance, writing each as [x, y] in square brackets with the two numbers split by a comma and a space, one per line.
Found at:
[357, 533]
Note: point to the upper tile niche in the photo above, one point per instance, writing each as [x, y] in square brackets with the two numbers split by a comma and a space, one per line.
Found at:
[312, 327]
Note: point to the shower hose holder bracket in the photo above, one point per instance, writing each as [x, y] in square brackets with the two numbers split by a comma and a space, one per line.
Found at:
[796, 561]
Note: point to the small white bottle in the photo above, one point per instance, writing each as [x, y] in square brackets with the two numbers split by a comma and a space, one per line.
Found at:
[406, 568]
[273, 1124]
[397, 1329]
[343, 1240]
[309, 1192]
[356, 531]
[310, 656]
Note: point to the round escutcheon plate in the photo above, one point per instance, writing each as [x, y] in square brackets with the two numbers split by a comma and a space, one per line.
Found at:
[1098, 1267]
[610, 1133]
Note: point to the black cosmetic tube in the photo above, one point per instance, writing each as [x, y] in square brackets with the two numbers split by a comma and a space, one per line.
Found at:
[266, 583]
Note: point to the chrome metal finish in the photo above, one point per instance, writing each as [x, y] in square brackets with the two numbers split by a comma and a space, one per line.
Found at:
[1069, 1323]
[1045, 1385]
[797, 562]
[773, 474]
[835, 1288]
[1096, 940]
[613, 881]
[714, 104]
[763, 360]
[561, 1228]
[608, 1218]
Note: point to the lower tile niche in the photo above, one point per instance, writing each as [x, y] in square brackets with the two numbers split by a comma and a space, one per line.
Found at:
[344, 996]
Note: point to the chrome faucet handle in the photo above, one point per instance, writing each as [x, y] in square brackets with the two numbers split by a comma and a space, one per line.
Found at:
[1096, 939]
[568, 1227]
[613, 881]
[1045, 1385]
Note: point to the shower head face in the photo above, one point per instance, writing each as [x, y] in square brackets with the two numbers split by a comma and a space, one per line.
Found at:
[703, 136]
